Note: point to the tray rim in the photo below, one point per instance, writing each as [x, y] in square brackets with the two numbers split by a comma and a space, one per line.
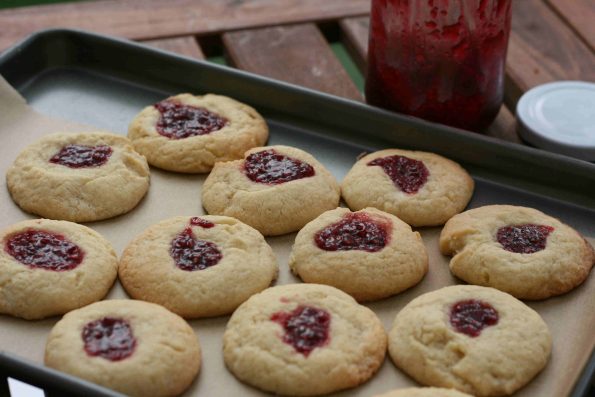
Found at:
[36, 36]
[29, 372]
[19, 366]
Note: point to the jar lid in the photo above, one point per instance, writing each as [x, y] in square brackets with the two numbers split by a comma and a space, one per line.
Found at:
[560, 117]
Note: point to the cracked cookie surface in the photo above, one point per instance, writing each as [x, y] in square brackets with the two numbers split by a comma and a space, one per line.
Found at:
[369, 254]
[241, 128]
[271, 207]
[166, 264]
[50, 267]
[518, 250]
[427, 343]
[79, 177]
[421, 188]
[265, 340]
[164, 356]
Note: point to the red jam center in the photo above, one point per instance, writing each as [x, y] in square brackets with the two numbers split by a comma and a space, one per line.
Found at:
[191, 254]
[306, 328]
[524, 239]
[407, 174]
[196, 221]
[354, 232]
[44, 250]
[81, 156]
[110, 338]
[272, 168]
[471, 316]
[178, 121]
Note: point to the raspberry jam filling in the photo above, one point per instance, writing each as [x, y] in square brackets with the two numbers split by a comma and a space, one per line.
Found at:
[178, 121]
[524, 239]
[272, 168]
[44, 250]
[81, 156]
[407, 174]
[357, 231]
[471, 316]
[306, 328]
[196, 221]
[110, 338]
[191, 254]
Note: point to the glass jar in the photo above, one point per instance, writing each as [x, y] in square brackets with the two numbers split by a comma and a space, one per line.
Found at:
[441, 60]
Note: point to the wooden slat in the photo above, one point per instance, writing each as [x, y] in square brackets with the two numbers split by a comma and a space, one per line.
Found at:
[148, 19]
[543, 48]
[298, 54]
[187, 46]
[355, 32]
[580, 16]
[504, 126]
[355, 38]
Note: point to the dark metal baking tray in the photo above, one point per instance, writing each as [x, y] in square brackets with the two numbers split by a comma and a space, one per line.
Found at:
[104, 81]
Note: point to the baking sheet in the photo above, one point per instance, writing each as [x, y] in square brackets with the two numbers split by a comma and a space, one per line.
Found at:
[109, 104]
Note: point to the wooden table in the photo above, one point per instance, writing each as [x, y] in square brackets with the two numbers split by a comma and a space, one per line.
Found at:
[291, 39]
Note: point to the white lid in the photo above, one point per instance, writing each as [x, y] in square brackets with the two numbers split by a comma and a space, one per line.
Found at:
[560, 117]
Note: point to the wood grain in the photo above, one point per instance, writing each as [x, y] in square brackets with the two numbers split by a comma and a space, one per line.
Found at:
[148, 19]
[579, 15]
[355, 36]
[187, 46]
[298, 54]
[542, 49]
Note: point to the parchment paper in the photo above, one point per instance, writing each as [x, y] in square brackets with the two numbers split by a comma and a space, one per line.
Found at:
[570, 317]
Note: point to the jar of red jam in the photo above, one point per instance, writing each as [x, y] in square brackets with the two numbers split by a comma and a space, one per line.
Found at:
[441, 60]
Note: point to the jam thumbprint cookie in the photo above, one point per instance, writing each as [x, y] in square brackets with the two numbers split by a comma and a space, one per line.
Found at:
[198, 266]
[303, 340]
[422, 189]
[51, 267]
[369, 254]
[188, 133]
[517, 250]
[275, 189]
[80, 177]
[134, 347]
[475, 339]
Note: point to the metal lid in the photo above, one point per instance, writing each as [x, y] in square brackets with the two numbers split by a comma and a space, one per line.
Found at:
[560, 117]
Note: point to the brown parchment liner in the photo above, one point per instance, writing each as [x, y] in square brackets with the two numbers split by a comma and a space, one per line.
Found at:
[571, 317]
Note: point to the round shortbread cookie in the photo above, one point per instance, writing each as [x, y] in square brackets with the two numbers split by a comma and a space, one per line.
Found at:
[134, 347]
[275, 189]
[423, 392]
[303, 340]
[475, 339]
[78, 177]
[518, 250]
[51, 267]
[198, 267]
[422, 189]
[369, 254]
[188, 133]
